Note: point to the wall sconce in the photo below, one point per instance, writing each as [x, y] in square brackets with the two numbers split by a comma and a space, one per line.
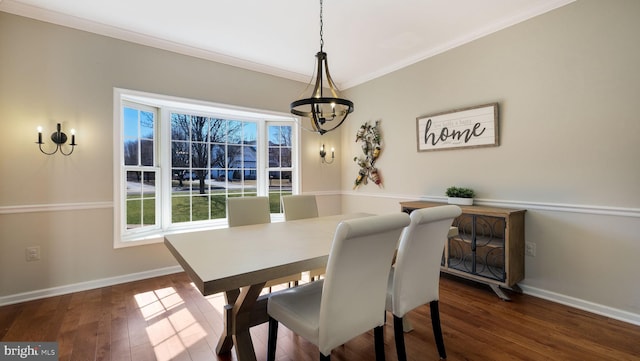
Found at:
[323, 155]
[59, 138]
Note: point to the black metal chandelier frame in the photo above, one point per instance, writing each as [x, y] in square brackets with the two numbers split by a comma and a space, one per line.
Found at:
[326, 113]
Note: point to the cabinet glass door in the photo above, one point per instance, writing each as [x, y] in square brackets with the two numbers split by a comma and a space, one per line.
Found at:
[479, 247]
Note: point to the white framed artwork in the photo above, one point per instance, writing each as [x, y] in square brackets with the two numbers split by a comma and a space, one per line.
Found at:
[462, 128]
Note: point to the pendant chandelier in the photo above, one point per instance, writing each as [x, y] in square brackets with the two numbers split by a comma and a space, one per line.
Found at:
[325, 112]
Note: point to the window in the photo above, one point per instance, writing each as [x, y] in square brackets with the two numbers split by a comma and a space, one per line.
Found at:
[177, 161]
[280, 163]
[139, 166]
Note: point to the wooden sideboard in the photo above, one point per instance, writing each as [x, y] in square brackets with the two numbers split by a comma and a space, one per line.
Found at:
[489, 247]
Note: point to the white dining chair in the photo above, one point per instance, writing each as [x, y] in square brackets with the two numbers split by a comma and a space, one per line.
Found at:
[244, 211]
[302, 206]
[415, 278]
[299, 206]
[350, 300]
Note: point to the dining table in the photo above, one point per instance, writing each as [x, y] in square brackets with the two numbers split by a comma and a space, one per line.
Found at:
[238, 261]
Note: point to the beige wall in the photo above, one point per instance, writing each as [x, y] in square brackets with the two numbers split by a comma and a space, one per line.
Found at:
[52, 74]
[568, 85]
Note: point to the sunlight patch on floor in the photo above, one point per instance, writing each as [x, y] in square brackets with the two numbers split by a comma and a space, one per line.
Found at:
[171, 327]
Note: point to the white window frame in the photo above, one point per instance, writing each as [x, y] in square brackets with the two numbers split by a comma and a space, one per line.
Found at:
[162, 156]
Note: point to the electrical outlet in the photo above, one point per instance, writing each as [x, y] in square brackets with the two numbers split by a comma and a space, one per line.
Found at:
[530, 249]
[33, 253]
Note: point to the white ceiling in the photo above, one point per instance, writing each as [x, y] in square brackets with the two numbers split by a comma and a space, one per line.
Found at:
[364, 39]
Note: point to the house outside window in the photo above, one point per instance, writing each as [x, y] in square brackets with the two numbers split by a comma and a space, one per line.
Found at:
[178, 160]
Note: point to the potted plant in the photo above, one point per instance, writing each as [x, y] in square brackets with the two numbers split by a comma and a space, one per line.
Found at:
[460, 195]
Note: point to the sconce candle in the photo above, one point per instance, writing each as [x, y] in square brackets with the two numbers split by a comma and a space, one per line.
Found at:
[323, 155]
[58, 138]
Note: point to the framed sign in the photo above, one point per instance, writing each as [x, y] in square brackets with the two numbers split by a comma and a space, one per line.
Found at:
[463, 128]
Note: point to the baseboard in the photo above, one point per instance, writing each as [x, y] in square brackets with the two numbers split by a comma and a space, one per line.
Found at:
[89, 285]
[598, 309]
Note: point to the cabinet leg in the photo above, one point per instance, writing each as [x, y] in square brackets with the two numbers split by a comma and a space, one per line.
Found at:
[503, 296]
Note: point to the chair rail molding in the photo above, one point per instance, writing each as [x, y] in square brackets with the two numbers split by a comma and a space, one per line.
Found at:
[555, 207]
[54, 207]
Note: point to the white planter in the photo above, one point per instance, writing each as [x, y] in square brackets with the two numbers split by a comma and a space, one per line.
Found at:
[460, 201]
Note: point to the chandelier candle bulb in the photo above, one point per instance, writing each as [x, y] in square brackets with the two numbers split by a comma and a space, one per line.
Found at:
[39, 135]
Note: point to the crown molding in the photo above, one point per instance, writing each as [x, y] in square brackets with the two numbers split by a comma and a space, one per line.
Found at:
[34, 12]
[428, 53]
[37, 13]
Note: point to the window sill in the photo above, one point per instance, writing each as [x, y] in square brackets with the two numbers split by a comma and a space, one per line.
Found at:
[157, 236]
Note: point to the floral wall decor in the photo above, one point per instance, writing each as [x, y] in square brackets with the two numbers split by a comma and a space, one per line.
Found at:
[371, 140]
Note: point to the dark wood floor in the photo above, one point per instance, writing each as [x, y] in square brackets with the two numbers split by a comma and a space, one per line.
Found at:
[166, 318]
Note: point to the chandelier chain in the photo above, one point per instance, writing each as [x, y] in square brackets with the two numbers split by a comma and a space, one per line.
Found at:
[321, 23]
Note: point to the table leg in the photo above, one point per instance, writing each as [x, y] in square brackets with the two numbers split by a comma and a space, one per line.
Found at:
[237, 321]
[225, 343]
[242, 321]
[231, 296]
